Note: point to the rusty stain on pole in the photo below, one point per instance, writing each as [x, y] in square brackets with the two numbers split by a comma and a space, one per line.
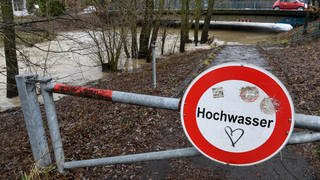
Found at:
[83, 92]
[117, 96]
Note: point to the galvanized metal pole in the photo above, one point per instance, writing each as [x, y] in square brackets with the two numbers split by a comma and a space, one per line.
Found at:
[307, 122]
[32, 117]
[117, 96]
[304, 137]
[154, 65]
[167, 154]
[301, 120]
[52, 123]
[146, 100]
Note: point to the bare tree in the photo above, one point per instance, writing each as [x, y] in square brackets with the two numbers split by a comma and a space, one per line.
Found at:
[146, 29]
[109, 35]
[205, 29]
[156, 28]
[9, 47]
[133, 28]
[188, 23]
[184, 25]
[197, 15]
[163, 38]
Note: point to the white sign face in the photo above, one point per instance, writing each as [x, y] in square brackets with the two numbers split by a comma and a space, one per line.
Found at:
[237, 114]
[230, 116]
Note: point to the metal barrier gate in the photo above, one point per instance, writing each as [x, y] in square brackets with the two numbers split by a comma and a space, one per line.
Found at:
[26, 85]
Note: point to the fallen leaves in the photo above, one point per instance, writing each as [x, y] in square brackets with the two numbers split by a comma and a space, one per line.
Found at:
[94, 128]
[298, 67]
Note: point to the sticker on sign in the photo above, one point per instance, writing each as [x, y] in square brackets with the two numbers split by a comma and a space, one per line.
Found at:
[237, 114]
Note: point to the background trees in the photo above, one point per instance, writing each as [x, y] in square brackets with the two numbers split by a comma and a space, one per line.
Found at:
[205, 29]
[113, 27]
[184, 24]
[51, 8]
[197, 14]
[146, 28]
[9, 40]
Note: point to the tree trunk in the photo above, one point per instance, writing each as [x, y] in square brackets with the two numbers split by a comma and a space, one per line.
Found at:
[124, 42]
[9, 41]
[184, 24]
[205, 29]
[155, 29]
[196, 23]
[133, 29]
[163, 39]
[188, 24]
[306, 21]
[146, 29]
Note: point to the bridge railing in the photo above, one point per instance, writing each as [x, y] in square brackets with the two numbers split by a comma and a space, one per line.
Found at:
[27, 84]
[248, 4]
[231, 4]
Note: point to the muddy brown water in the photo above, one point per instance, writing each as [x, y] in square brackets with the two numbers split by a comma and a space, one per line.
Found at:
[79, 67]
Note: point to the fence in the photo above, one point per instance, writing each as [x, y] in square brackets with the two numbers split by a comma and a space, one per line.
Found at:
[27, 92]
[311, 32]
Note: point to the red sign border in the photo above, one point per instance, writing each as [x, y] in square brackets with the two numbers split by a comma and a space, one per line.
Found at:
[255, 75]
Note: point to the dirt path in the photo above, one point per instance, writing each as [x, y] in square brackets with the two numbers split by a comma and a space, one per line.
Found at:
[241, 53]
[287, 164]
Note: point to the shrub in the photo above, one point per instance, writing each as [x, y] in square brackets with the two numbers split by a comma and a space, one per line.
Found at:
[56, 8]
[30, 5]
[51, 7]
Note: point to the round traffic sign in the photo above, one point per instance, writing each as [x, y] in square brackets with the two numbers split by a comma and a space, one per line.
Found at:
[237, 114]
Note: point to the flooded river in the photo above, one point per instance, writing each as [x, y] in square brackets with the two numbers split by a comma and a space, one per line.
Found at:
[71, 60]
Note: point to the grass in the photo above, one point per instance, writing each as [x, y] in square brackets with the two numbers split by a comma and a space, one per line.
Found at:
[295, 35]
[37, 173]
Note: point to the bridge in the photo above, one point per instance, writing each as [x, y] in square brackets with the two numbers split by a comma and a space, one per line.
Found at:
[295, 18]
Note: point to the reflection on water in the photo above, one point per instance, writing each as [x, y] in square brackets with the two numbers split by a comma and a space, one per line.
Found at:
[76, 64]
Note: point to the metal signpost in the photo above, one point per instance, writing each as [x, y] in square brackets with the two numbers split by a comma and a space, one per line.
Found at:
[237, 114]
[154, 65]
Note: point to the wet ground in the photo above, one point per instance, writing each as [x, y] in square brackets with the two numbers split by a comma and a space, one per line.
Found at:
[245, 53]
[287, 166]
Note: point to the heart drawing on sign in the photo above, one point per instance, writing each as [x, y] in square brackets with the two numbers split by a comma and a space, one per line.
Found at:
[234, 135]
